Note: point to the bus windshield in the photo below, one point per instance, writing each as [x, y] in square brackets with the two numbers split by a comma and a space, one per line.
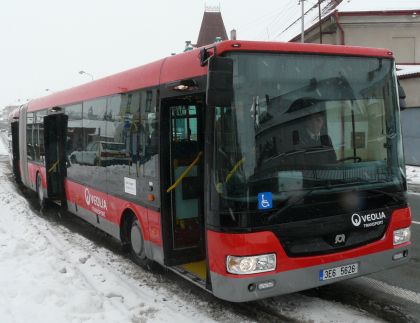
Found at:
[305, 124]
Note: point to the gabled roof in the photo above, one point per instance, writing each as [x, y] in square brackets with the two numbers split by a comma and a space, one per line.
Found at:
[212, 26]
[345, 7]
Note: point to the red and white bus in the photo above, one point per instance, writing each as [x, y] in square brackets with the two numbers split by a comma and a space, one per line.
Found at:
[253, 169]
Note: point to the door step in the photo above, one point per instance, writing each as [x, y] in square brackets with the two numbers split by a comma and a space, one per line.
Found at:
[194, 272]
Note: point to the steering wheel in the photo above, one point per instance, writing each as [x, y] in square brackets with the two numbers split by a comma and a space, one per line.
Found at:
[357, 159]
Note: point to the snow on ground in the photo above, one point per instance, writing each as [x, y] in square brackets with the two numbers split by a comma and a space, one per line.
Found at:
[413, 175]
[48, 273]
[46, 276]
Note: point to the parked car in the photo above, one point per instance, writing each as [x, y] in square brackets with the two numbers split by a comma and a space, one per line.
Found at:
[101, 153]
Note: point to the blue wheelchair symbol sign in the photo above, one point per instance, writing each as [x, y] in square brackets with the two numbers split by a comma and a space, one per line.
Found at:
[265, 200]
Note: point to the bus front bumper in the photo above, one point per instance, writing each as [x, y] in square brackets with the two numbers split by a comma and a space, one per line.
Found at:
[243, 288]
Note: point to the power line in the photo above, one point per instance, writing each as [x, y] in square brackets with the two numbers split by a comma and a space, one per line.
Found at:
[312, 7]
[290, 11]
[284, 12]
[261, 18]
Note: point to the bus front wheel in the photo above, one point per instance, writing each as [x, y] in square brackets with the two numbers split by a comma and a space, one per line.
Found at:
[137, 249]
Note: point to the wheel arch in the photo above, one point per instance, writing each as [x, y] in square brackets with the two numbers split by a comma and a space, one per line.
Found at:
[125, 221]
[128, 214]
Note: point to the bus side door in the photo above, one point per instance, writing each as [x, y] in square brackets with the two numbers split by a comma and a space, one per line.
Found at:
[55, 134]
[183, 172]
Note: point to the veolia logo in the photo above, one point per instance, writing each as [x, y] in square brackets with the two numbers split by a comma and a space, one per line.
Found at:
[356, 219]
[87, 196]
[368, 220]
[95, 200]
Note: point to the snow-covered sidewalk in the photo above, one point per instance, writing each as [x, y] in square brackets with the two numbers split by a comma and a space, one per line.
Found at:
[48, 274]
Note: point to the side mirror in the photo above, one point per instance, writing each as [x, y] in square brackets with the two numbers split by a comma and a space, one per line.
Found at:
[220, 81]
[402, 96]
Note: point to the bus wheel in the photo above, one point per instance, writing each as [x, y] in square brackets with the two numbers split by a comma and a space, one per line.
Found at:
[40, 192]
[137, 251]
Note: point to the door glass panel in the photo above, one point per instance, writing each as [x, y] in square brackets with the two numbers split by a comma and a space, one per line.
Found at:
[186, 164]
[55, 133]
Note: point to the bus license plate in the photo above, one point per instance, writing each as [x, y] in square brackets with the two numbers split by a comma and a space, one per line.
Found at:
[337, 272]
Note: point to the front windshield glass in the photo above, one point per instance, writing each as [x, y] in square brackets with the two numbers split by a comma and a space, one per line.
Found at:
[304, 124]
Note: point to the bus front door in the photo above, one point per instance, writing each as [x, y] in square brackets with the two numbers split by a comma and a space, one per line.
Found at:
[183, 219]
[55, 134]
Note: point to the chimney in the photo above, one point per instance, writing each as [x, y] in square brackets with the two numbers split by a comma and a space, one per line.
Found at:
[188, 46]
[233, 34]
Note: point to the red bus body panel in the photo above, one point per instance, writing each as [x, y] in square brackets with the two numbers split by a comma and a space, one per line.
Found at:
[111, 209]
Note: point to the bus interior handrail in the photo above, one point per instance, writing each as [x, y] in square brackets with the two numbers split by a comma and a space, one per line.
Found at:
[185, 173]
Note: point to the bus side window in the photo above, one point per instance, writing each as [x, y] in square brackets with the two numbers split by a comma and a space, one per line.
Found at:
[29, 136]
[150, 139]
[40, 121]
[35, 137]
[130, 128]
[74, 140]
[94, 129]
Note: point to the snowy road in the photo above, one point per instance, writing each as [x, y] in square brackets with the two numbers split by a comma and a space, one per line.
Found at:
[56, 269]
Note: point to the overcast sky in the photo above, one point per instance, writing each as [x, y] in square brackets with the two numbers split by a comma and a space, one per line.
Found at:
[45, 43]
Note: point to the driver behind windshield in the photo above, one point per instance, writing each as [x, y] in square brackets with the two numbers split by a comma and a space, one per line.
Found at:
[317, 143]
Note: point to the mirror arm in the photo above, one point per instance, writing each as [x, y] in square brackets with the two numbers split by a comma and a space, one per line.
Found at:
[205, 54]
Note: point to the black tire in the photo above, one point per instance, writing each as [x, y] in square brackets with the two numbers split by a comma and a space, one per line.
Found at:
[40, 192]
[136, 244]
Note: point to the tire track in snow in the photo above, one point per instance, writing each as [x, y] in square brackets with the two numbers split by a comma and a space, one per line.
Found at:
[131, 303]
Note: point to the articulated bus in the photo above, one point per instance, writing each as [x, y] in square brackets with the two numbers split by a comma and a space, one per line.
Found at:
[252, 169]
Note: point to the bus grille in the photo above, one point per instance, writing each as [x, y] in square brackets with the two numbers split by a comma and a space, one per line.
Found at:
[324, 236]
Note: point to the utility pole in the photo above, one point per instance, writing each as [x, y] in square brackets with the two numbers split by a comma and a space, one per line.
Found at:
[302, 37]
[320, 25]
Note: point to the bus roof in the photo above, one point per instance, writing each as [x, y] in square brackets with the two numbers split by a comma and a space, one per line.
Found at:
[233, 45]
[183, 66]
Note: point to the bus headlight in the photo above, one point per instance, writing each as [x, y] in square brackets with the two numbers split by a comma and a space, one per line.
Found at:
[251, 264]
[402, 236]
